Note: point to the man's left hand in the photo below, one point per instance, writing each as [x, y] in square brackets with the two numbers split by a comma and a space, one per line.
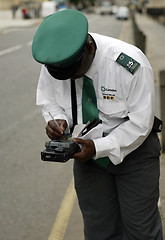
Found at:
[87, 151]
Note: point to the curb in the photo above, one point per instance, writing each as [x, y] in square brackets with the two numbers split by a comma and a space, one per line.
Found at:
[8, 24]
[162, 191]
[128, 37]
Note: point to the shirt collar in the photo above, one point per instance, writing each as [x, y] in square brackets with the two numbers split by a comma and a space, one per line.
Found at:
[94, 66]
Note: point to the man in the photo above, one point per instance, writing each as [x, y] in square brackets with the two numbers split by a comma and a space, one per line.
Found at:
[117, 169]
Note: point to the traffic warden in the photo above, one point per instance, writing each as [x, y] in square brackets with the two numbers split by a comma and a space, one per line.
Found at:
[117, 169]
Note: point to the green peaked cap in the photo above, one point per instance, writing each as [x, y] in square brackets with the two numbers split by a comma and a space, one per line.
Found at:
[60, 38]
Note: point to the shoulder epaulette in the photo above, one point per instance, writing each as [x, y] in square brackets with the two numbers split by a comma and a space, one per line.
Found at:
[127, 62]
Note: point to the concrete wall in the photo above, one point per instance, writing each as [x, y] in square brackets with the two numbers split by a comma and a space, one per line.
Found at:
[121, 2]
[5, 4]
[156, 3]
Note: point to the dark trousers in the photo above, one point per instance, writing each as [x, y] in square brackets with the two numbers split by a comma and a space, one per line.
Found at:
[120, 203]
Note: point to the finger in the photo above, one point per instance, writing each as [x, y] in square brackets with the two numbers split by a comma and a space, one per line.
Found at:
[80, 158]
[49, 130]
[53, 136]
[87, 151]
[51, 133]
[50, 136]
[80, 155]
[54, 127]
[63, 125]
[76, 155]
[78, 140]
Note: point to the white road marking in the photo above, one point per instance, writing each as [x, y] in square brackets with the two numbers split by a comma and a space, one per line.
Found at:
[62, 218]
[29, 43]
[9, 50]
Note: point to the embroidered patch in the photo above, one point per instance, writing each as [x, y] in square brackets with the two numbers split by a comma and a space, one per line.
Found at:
[108, 97]
[127, 62]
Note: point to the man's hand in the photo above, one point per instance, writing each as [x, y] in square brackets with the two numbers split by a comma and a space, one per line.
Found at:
[88, 150]
[53, 131]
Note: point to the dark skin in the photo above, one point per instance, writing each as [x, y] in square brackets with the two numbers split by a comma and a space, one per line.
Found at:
[88, 148]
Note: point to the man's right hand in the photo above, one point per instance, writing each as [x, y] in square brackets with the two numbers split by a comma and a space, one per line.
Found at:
[53, 131]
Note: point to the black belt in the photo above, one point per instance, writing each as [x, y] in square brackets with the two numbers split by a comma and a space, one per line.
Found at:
[158, 125]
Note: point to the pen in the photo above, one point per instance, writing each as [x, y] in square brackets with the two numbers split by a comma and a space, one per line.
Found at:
[55, 122]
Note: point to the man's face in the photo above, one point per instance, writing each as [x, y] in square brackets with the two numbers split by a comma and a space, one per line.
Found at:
[79, 68]
[87, 59]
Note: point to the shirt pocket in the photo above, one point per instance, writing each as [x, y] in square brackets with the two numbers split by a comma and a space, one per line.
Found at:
[64, 101]
[112, 108]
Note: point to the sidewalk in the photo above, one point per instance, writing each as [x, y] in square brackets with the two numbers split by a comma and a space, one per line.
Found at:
[6, 20]
[155, 42]
[155, 52]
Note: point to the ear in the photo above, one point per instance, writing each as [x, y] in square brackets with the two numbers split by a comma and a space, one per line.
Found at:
[91, 47]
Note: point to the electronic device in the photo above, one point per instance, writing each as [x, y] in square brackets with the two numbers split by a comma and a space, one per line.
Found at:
[60, 150]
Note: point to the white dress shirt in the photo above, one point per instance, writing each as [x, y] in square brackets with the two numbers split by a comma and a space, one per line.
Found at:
[120, 95]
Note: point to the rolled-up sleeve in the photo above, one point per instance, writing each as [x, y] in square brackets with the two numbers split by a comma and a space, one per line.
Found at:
[45, 97]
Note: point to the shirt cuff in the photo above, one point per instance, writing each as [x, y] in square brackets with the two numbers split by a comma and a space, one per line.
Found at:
[106, 147]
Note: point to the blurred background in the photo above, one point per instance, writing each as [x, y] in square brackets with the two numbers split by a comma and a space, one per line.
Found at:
[40, 8]
[32, 191]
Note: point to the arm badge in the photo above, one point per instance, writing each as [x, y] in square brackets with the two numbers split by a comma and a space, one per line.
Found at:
[127, 62]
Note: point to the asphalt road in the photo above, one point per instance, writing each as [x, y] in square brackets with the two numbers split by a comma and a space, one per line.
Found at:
[31, 191]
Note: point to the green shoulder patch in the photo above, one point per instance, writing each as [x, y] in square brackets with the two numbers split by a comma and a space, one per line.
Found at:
[127, 62]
